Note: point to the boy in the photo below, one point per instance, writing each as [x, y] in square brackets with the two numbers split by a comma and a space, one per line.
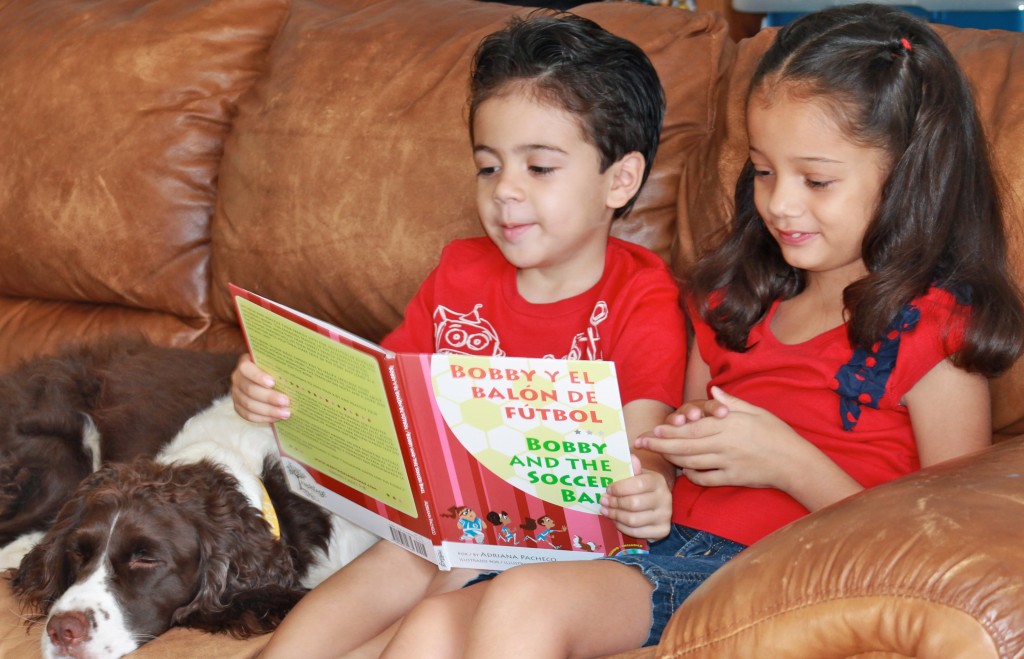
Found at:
[564, 122]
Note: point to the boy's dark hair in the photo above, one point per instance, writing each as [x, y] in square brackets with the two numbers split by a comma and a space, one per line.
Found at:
[606, 81]
[891, 84]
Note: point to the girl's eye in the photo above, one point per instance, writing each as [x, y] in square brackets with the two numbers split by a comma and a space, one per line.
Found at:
[486, 171]
[758, 173]
[818, 185]
[537, 169]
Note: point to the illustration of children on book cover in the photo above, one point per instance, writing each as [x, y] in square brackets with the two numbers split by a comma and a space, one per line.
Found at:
[543, 533]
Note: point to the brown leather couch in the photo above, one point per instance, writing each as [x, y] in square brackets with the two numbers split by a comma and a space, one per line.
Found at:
[316, 152]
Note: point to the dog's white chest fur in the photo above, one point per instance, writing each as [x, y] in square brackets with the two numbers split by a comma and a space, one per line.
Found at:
[218, 434]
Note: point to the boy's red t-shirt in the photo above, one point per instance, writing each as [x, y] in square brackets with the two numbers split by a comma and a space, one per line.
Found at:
[469, 304]
[798, 383]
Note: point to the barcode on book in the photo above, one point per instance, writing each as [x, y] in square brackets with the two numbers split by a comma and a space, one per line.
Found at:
[408, 541]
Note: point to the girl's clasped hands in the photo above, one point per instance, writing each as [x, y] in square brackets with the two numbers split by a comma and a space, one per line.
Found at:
[726, 441]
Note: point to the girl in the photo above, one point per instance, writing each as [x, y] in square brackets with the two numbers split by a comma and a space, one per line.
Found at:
[845, 327]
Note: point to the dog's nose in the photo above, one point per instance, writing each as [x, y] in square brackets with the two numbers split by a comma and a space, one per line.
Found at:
[66, 630]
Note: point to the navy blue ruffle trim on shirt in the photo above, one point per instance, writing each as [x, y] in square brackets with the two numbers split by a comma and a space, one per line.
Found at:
[862, 380]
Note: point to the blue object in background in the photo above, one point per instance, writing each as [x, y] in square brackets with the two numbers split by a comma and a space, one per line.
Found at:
[982, 20]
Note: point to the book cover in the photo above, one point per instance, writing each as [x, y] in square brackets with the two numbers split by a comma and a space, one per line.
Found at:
[468, 461]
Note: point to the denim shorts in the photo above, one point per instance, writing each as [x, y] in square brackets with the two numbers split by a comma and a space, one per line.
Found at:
[676, 565]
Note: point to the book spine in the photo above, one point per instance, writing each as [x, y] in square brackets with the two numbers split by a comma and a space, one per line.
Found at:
[411, 431]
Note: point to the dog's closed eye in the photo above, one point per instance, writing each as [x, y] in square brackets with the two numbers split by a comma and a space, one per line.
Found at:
[142, 559]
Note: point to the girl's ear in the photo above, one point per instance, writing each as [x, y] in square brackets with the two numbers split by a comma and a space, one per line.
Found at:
[627, 175]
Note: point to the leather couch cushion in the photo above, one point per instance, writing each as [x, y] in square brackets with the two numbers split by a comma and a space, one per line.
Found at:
[114, 114]
[355, 144]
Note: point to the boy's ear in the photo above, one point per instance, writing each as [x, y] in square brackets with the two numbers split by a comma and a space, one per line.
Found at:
[627, 175]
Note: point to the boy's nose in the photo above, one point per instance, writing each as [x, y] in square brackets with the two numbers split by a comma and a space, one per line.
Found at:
[507, 187]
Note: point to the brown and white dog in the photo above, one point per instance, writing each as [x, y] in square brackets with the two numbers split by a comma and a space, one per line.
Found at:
[63, 416]
[142, 544]
[182, 540]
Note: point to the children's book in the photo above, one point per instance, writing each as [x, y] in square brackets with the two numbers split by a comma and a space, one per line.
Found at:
[468, 461]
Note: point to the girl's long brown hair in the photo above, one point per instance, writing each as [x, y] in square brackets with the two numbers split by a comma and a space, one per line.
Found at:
[895, 86]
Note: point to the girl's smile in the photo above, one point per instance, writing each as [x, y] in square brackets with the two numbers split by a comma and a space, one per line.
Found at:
[795, 237]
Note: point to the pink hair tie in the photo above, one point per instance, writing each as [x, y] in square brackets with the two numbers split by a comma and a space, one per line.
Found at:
[906, 44]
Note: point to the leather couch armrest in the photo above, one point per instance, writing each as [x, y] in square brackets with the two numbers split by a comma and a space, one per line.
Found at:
[929, 565]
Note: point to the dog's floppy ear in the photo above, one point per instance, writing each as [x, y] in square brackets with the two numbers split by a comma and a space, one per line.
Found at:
[42, 576]
[248, 612]
[305, 526]
[248, 580]
[44, 573]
